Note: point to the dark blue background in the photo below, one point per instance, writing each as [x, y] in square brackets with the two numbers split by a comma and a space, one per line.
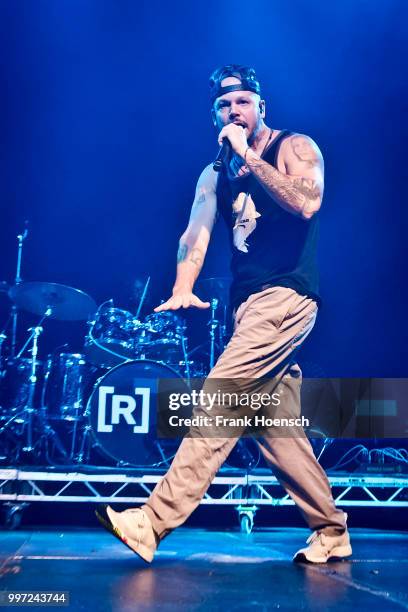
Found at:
[105, 127]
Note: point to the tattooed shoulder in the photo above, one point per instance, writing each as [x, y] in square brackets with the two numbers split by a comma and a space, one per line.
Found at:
[305, 150]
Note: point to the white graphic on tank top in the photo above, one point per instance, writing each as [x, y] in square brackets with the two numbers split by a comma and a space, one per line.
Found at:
[245, 215]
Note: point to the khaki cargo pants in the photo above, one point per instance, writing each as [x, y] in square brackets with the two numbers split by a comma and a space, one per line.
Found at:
[269, 328]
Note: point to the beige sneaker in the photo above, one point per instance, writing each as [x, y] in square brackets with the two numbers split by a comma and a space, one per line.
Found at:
[322, 547]
[132, 527]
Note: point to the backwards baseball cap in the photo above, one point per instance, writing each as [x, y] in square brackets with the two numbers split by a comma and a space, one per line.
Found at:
[246, 75]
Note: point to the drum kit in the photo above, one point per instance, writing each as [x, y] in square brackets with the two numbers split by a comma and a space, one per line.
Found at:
[50, 409]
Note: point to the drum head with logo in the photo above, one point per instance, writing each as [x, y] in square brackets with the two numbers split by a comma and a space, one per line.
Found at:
[122, 411]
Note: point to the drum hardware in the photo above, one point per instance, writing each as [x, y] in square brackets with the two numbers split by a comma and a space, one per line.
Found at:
[24, 414]
[16, 388]
[164, 459]
[29, 407]
[159, 344]
[222, 330]
[50, 300]
[187, 369]
[47, 435]
[213, 325]
[84, 452]
[17, 281]
[215, 291]
[35, 333]
[319, 441]
[142, 298]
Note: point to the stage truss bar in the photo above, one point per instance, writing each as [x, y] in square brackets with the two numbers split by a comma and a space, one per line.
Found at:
[236, 490]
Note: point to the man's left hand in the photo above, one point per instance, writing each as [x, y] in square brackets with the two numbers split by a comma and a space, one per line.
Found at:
[236, 136]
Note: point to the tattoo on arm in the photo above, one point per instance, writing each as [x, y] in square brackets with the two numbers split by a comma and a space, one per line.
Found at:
[198, 202]
[307, 187]
[195, 256]
[304, 151]
[298, 194]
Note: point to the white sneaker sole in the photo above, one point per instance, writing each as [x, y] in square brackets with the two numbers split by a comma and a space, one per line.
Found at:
[339, 552]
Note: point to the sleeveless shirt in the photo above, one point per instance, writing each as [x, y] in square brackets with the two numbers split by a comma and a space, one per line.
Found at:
[270, 246]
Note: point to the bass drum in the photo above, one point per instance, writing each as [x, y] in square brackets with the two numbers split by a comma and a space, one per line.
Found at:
[122, 413]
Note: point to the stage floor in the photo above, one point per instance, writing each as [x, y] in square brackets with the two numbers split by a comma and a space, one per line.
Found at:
[197, 569]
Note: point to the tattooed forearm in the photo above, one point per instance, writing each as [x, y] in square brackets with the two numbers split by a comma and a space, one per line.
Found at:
[195, 255]
[306, 188]
[300, 196]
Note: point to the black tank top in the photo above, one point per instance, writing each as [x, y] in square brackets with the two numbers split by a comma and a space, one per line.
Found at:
[270, 246]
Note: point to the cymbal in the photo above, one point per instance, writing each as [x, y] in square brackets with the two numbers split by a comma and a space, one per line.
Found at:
[210, 288]
[67, 303]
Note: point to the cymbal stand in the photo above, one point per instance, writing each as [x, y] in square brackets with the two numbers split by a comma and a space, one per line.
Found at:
[84, 451]
[17, 281]
[29, 407]
[187, 372]
[46, 431]
[222, 331]
[34, 334]
[213, 324]
[3, 337]
[25, 416]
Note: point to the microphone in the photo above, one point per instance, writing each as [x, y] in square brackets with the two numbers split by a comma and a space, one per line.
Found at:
[25, 233]
[222, 155]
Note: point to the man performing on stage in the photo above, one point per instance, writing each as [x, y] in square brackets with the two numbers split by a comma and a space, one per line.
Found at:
[269, 192]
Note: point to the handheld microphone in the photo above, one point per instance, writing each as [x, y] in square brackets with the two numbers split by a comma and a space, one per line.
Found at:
[222, 155]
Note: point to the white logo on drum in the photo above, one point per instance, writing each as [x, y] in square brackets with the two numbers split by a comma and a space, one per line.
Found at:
[123, 406]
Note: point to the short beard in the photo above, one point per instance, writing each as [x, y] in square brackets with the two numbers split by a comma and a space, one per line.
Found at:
[260, 127]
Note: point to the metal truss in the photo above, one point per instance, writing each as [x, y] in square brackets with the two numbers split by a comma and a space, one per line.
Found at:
[238, 489]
